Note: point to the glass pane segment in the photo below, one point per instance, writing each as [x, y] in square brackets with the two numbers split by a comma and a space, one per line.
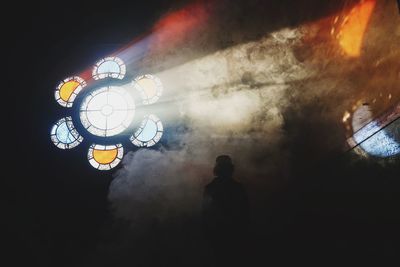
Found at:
[68, 89]
[105, 157]
[149, 87]
[107, 111]
[109, 67]
[64, 135]
[149, 132]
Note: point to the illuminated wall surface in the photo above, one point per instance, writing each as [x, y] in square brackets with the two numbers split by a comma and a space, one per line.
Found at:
[107, 111]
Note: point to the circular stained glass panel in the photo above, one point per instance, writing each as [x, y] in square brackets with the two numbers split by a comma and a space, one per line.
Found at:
[64, 135]
[149, 132]
[109, 67]
[107, 111]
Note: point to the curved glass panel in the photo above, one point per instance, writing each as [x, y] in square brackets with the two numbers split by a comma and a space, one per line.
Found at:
[109, 67]
[68, 89]
[379, 142]
[64, 135]
[149, 132]
[107, 111]
[149, 87]
[379, 137]
[105, 157]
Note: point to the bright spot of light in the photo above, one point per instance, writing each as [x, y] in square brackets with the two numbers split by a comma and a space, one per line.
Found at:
[107, 111]
[352, 27]
[346, 116]
[149, 87]
[379, 137]
[377, 142]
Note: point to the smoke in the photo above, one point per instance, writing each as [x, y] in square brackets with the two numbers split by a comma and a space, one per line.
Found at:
[155, 185]
[273, 104]
[232, 103]
[262, 102]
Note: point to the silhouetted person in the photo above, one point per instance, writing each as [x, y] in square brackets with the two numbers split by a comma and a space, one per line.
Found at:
[225, 213]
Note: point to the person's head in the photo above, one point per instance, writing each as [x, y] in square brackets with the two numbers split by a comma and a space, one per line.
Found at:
[223, 166]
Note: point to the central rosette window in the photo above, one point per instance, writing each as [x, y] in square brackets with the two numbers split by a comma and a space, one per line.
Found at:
[106, 111]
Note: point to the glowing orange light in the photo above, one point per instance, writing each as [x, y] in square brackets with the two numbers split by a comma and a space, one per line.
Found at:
[354, 26]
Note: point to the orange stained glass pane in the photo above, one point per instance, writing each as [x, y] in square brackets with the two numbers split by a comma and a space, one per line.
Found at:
[354, 27]
[67, 89]
[105, 156]
[149, 87]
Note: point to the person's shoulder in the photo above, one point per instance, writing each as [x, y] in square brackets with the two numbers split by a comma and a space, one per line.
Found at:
[212, 184]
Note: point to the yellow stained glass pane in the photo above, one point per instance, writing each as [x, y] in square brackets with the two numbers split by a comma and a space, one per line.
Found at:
[105, 156]
[67, 89]
[149, 87]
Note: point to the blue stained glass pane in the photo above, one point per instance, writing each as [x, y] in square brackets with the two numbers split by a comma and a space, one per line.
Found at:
[148, 131]
[109, 67]
[63, 134]
[384, 143]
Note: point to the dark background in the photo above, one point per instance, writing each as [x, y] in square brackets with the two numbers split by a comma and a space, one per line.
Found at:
[56, 207]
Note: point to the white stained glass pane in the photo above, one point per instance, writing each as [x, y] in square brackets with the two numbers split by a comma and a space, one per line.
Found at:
[109, 67]
[112, 67]
[149, 87]
[64, 135]
[96, 131]
[114, 163]
[117, 100]
[107, 111]
[97, 119]
[97, 102]
[116, 118]
[115, 131]
[149, 132]
[104, 167]
[94, 163]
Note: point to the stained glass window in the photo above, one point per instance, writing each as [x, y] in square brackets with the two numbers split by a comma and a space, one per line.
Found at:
[379, 142]
[107, 111]
[64, 135]
[379, 137]
[150, 88]
[68, 89]
[109, 67]
[149, 132]
[105, 157]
